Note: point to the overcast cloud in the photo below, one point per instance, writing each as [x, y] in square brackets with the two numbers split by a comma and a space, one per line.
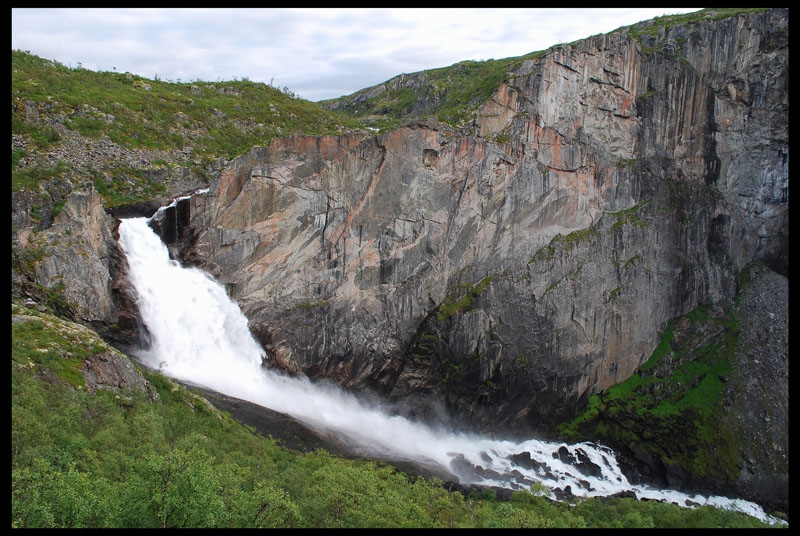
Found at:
[318, 53]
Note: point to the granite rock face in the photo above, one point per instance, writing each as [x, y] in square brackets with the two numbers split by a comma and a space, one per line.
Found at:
[115, 372]
[757, 406]
[517, 270]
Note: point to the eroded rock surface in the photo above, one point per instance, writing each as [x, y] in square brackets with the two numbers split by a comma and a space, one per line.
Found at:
[518, 270]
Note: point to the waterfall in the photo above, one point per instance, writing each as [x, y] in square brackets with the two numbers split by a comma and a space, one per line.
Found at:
[200, 336]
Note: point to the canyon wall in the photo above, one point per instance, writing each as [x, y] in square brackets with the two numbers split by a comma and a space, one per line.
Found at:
[512, 270]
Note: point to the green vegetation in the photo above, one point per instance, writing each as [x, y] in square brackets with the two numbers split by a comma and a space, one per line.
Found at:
[562, 243]
[651, 28]
[628, 216]
[82, 460]
[609, 295]
[579, 236]
[126, 185]
[231, 117]
[31, 178]
[462, 299]
[450, 94]
[625, 163]
[646, 95]
[40, 138]
[308, 304]
[467, 85]
[630, 261]
[196, 123]
[673, 416]
[24, 261]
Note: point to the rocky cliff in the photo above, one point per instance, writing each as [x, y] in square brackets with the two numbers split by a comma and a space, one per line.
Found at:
[506, 271]
[518, 269]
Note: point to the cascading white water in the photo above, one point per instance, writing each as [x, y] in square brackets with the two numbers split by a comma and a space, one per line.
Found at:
[200, 336]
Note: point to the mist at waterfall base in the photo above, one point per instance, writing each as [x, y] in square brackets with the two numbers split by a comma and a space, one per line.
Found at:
[200, 336]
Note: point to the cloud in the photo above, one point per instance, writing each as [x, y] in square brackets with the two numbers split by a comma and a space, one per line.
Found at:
[317, 53]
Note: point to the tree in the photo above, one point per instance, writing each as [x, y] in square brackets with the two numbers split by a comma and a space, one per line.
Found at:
[182, 487]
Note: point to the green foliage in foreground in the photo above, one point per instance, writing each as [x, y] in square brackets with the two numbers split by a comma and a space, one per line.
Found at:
[104, 460]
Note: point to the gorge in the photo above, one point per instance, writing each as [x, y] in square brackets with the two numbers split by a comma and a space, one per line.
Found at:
[508, 271]
[197, 335]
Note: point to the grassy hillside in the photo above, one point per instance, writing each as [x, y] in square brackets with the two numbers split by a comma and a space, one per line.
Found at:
[214, 119]
[449, 94]
[178, 128]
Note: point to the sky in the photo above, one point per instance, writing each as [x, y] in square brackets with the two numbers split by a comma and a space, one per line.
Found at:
[316, 53]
